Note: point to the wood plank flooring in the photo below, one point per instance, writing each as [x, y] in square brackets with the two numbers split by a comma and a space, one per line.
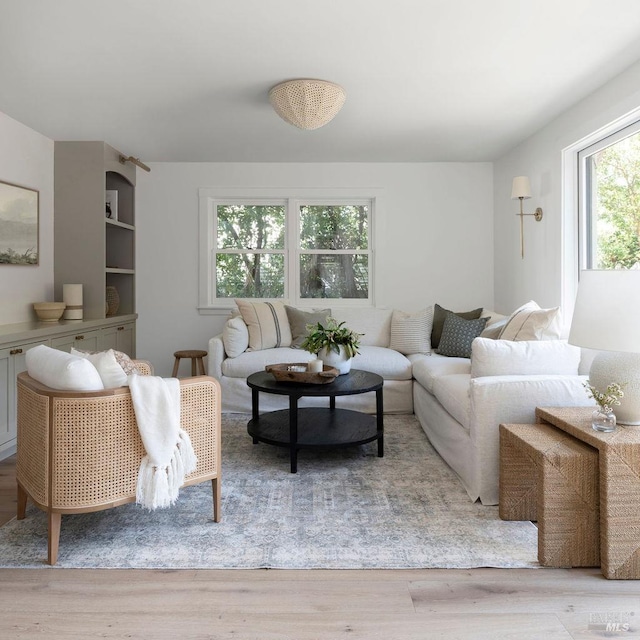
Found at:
[78, 604]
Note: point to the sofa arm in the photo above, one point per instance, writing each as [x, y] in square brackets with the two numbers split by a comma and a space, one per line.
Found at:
[513, 399]
[216, 356]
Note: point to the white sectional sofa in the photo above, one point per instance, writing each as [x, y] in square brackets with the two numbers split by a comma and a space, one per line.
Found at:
[459, 402]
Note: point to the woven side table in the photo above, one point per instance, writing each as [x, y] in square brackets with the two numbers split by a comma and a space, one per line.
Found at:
[548, 476]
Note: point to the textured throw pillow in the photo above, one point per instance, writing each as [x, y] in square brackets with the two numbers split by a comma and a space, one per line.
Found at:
[111, 373]
[458, 334]
[267, 323]
[539, 357]
[298, 321]
[61, 370]
[530, 322]
[235, 336]
[439, 314]
[411, 332]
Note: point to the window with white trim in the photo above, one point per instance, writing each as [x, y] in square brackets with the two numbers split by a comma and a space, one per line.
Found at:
[609, 201]
[297, 249]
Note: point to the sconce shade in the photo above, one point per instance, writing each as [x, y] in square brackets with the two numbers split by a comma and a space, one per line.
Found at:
[306, 103]
[607, 311]
[521, 188]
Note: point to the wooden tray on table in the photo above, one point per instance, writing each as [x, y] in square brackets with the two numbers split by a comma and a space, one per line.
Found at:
[291, 372]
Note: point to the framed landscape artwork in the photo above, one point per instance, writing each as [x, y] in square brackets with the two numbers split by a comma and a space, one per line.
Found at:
[19, 208]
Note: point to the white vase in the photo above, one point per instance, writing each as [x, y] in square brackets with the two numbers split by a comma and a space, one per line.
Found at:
[337, 360]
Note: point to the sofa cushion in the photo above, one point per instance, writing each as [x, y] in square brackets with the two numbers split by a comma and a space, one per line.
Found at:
[387, 363]
[426, 369]
[235, 336]
[530, 322]
[61, 370]
[251, 361]
[439, 315]
[299, 319]
[411, 332]
[267, 323]
[111, 373]
[374, 324]
[530, 357]
[458, 334]
[453, 394]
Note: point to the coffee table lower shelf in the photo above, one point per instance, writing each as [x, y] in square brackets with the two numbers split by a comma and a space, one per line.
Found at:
[317, 427]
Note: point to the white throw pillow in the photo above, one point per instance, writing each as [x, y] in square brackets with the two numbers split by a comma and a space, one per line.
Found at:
[494, 325]
[235, 336]
[411, 332]
[111, 373]
[267, 322]
[530, 322]
[61, 370]
[531, 357]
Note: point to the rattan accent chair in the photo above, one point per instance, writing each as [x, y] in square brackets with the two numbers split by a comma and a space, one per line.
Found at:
[80, 451]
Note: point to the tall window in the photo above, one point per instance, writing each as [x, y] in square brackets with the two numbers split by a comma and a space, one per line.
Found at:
[287, 248]
[609, 198]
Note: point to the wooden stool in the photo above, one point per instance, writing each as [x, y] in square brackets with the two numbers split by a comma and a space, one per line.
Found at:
[197, 365]
[549, 476]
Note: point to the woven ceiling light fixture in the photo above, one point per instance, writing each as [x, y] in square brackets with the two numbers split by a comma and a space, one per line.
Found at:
[307, 104]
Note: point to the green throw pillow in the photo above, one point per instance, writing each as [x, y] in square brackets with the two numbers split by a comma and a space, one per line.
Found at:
[439, 314]
[298, 321]
[458, 334]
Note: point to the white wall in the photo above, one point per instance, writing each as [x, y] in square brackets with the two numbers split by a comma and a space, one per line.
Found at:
[550, 242]
[434, 241]
[26, 159]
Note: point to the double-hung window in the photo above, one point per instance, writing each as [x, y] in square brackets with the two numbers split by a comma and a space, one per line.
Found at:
[609, 201]
[297, 249]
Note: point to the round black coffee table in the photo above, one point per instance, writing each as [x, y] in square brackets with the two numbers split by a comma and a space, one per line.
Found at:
[316, 427]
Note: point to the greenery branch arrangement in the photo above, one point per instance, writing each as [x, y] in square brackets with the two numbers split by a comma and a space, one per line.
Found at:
[332, 337]
[607, 399]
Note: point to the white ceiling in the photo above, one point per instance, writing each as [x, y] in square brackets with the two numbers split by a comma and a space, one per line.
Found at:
[426, 80]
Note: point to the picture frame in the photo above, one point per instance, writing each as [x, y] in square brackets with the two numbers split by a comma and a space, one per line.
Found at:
[19, 225]
[111, 204]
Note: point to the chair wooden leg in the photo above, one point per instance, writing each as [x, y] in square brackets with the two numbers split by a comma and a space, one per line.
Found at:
[193, 367]
[176, 364]
[215, 485]
[22, 503]
[200, 367]
[54, 536]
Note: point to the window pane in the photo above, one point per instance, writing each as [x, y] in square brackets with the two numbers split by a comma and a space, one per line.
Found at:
[334, 227]
[249, 275]
[334, 276]
[250, 226]
[613, 206]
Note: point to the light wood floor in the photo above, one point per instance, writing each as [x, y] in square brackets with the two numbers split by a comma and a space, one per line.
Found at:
[481, 604]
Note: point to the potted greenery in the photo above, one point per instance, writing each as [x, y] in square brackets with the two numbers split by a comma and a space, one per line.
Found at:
[335, 344]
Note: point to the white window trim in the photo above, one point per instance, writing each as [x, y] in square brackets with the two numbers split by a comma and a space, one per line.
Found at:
[572, 253]
[210, 196]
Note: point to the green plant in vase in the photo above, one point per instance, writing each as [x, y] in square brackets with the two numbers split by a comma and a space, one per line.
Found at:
[334, 343]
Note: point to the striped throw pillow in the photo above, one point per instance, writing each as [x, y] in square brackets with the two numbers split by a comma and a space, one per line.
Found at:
[411, 332]
[267, 323]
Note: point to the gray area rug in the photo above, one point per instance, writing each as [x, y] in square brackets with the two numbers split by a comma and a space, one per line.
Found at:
[344, 509]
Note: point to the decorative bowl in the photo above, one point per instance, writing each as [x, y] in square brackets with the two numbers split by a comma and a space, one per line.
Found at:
[49, 311]
[297, 372]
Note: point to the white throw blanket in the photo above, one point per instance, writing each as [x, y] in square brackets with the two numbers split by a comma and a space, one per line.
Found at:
[169, 453]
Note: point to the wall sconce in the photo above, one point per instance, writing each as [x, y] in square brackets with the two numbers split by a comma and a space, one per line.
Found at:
[521, 190]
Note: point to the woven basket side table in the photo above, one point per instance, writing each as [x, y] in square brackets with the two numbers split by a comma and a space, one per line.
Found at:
[548, 476]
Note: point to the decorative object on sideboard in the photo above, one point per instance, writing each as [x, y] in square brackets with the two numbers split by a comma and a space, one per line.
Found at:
[72, 297]
[113, 301]
[18, 224]
[334, 344]
[307, 103]
[605, 318]
[49, 311]
[111, 204]
[521, 190]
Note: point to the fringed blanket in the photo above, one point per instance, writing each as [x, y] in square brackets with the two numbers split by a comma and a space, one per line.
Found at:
[169, 453]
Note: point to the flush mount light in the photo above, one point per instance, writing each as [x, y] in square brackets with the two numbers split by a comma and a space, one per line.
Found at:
[306, 103]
